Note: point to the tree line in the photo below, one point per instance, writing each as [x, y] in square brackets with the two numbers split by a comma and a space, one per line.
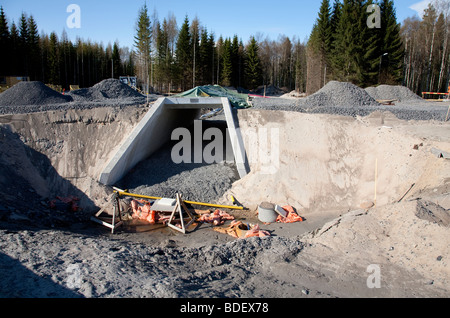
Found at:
[57, 60]
[172, 58]
[344, 46]
[167, 57]
[427, 49]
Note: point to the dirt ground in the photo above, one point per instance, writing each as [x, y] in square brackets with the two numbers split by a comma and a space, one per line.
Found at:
[329, 167]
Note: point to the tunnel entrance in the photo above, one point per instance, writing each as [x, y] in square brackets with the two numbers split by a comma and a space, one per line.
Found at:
[156, 128]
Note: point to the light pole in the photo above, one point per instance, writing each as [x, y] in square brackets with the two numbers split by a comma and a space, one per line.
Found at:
[379, 70]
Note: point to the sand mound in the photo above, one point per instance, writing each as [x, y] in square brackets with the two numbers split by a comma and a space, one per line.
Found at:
[106, 89]
[31, 93]
[400, 93]
[293, 94]
[341, 94]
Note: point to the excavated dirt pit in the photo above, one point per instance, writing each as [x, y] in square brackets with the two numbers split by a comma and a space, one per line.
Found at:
[372, 193]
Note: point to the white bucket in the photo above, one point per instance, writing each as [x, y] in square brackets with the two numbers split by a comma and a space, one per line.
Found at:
[266, 212]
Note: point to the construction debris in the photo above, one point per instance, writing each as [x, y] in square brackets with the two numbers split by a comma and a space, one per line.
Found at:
[440, 153]
[240, 230]
[217, 217]
[291, 216]
[269, 213]
[65, 204]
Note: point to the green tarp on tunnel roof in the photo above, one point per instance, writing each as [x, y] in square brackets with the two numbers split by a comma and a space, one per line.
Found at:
[236, 99]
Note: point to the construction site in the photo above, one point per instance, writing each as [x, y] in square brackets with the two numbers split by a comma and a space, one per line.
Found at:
[106, 192]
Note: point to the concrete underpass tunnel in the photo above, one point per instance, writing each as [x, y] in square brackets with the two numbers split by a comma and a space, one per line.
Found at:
[156, 128]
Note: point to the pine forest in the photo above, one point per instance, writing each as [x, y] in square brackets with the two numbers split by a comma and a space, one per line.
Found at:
[349, 42]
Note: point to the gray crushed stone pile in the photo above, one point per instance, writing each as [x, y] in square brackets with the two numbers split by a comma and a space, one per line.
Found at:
[340, 94]
[392, 92]
[32, 93]
[31, 97]
[346, 99]
[107, 89]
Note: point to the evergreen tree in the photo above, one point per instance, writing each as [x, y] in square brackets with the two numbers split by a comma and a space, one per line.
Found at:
[65, 61]
[336, 13]
[372, 41]
[334, 22]
[5, 44]
[117, 63]
[142, 42]
[213, 56]
[184, 56]
[241, 64]
[300, 65]
[235, 62]
[24, 45]
[15, 50]
[253, 70]
[219, 61]
[195, 39]
[129, 66]
[324, 29]
[349, 46]
[205, 58]
[319, 49]
[34, 53]
[164, 58]
[227, 68]
[314, 78]
[161, 53]
[392, 62]
[53, 60]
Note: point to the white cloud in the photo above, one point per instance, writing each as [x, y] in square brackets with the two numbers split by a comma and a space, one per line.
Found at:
[420, 7]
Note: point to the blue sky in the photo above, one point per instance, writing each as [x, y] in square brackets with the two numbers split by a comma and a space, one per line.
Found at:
[110, 20]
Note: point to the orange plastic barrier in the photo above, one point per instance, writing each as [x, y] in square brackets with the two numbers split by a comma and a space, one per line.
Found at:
[291, 217]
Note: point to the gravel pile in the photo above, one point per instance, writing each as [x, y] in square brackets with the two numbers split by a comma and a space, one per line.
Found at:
[269, 90]
[106, 89]
[400, 93]
[340, 94]
[346, 99]
[31, 97]
[32, 93]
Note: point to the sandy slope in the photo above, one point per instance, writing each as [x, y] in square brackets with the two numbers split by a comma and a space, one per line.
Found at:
[328, 162]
